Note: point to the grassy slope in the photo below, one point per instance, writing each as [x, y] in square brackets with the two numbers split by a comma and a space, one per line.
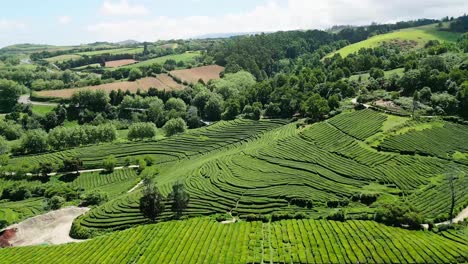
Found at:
[419, 34]
[365, 76]
[112, 51]
[62, 58]
[160, 60]
[42, 110]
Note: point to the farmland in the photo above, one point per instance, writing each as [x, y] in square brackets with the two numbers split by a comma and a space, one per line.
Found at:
[206, 73]
[162, 82]
[413, 38]
[118, 63]
[259, 148]
[297, 241]
[185, 57]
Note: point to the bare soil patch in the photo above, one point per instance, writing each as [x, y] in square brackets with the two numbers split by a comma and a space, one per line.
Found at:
[160, 82]
[118, 63]
[206, 73]
[390, 105]
[50, 228]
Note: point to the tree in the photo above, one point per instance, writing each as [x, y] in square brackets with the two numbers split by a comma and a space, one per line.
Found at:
[50, 121]
[46, 168]
[463, 98]
[109, 163]
[175, 126]
[213, 108]
[152, 202]
[134, 74]
[180, 199]
[10, 92]
[141, 131]
[376, 73]
[415, 102]
[315, 107]
[34, 141]
[96, 101]
[232, 109]
[333, 102]
[451, 177]
[176, 104]
[410, 82]
[94, 198]
[193, 120]
[54, 203]
[72, 164]
[3, 146]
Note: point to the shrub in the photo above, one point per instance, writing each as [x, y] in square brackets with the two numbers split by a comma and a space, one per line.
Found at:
[3, 224]
[149, 160]
[337, 216]
[109, 163]
[94, 198]
[175, 126]
[54, 203]
[397, 214]
[255, 217]
[141, 131]
[281, 216]
[337, 203]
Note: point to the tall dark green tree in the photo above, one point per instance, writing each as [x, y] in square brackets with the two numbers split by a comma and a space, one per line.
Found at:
[152, 202]
[180, 199]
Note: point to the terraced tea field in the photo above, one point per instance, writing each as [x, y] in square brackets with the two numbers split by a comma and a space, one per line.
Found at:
[290, 241]
[279, 168]
[266, 167]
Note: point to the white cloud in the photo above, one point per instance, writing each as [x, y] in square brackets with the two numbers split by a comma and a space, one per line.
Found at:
[64, 20]
[11, 25]
[275, 15]
[122, 8]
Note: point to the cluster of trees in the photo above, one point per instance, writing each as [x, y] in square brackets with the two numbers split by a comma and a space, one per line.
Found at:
[153, 203]
[37, 140]
[10, 92]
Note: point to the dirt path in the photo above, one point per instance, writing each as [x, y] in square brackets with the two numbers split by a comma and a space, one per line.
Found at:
[50, 228]
[25, 99]
[459, 218]
[135, 187]
[354, 101]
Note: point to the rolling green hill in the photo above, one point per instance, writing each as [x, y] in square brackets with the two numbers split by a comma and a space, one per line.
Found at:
[413, 37]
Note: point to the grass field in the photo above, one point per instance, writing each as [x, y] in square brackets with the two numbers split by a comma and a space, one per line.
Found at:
[365, 76]
[185, 57]
[162, 82]
[79, 55]
[112, 51]
[206, 73]
[420, 35]
[62, 58]
[94, 65]
[42, 110]
[290, 241]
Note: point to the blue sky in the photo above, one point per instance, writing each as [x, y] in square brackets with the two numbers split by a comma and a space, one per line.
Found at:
[63, 22]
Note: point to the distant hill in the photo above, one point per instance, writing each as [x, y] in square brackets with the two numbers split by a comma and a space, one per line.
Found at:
[128, 42]
[414, 37]
[226, 35]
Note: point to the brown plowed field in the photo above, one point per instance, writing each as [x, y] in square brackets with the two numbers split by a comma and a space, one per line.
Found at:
[118, 63]
[160, 82]
[205, 73]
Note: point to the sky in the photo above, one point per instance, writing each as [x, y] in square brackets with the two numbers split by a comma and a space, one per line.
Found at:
[70, 22]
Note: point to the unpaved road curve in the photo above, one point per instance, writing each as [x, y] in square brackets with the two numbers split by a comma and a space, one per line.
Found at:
[459, 218]
[51, 228]
[25, 99]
